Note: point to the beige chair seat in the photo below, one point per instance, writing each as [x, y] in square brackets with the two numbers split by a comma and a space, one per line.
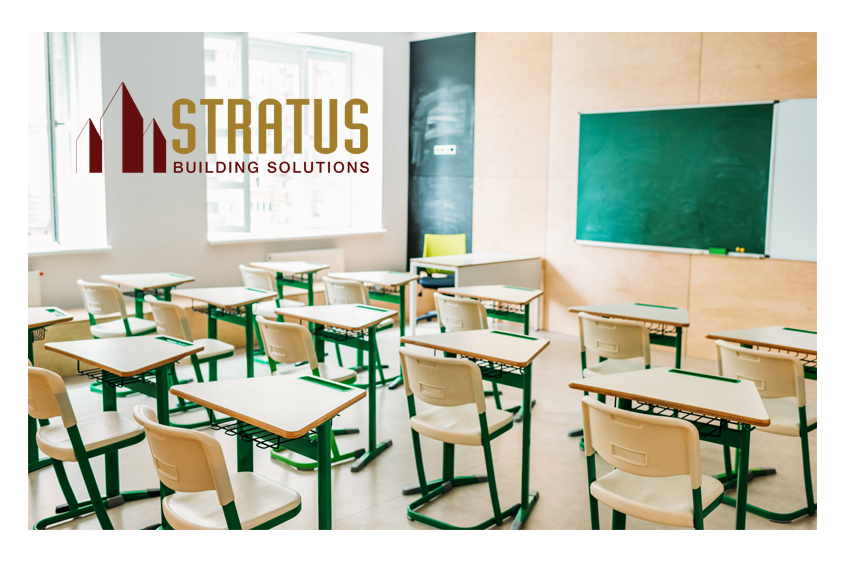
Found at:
[213, 348]
[267, 309]
[97, 431]
[663, 500]
[784, 416]
[609, 367]
[458, 425]
[115, 329]
[257, 499]
[327, 371]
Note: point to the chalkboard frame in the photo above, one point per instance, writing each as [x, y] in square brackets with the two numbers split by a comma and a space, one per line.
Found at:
[678, 249]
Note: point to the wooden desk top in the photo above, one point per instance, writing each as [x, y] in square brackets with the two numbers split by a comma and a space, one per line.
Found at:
[719, 397]
[477, 259]
[227, 296]
[285, 405]
[349, 317]
[126, 356]
[493, 345]
[377, 277]
[673, 316]
[46, 316]
[291, 267]
[772, 337]
[500, 293]
[147, 281]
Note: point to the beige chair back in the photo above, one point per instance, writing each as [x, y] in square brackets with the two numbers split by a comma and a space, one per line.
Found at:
[287, 343]
[258, 278]
[444, 382]
[48, 397]
[616, 339]
[345, 292]
[774, 374]
[187, 461]
[457, 314]
[641, 444]
[102, 299]
[171, 319]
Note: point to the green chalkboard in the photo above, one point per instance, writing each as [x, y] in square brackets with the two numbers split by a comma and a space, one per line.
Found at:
[691, 178]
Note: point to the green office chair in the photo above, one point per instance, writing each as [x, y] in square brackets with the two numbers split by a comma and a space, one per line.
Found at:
[440, 245]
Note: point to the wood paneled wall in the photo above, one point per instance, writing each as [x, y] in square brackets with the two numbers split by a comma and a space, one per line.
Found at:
[529, 90]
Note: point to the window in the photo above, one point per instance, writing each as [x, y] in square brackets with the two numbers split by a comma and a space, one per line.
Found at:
[66, 210]
[265, 204]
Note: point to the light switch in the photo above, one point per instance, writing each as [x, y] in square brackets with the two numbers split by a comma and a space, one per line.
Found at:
[445, 149]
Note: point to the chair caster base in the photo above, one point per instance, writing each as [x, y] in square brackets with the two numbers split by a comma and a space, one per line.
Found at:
[447, 485]
[369, 456]
[522, 515]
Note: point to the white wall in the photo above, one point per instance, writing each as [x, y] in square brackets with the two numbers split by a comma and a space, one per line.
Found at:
[157, 222]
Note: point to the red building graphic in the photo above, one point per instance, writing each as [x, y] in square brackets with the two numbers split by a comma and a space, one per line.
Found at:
[133, 139]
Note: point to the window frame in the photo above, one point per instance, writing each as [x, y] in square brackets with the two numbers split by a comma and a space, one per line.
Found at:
[304, 55]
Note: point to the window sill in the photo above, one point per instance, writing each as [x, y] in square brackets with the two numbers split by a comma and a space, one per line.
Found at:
[239, 238]
[58, 250]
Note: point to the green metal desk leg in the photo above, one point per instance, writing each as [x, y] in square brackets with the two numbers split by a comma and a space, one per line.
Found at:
[167, 293]
[311, 289]
[399, 381]
[31, 354]
[250, 333]
[139, 303]
[679, 342]
[324, 475]
[212, 333]
[373, 449]
[163, 414]
[112, 467]
[742, 475]
[527, 498]
[245, 455]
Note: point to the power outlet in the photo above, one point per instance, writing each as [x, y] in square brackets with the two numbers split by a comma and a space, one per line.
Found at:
[445, 149]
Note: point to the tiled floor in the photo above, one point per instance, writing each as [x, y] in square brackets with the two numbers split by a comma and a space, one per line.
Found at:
[372, 499]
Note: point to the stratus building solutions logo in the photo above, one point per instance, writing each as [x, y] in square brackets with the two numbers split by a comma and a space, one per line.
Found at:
[269, 122]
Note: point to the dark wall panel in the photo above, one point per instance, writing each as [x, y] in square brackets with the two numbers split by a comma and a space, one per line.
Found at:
[442, 112]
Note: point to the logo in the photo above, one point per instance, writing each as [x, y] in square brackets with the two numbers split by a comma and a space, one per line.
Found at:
[269, 122]
[133, 139]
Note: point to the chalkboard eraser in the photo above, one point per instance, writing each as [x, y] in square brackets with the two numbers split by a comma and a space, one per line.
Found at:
[718, 251]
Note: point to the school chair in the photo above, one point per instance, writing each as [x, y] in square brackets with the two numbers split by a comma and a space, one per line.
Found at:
[439, 245]
[347, 292]
[457, 314]
[287, 345]
[192, 464]
[615, 342]
[102, 299]
[780, 381]
[459, 416]
[171, 320]
[266, 280]
[73, 440]
[657, 461]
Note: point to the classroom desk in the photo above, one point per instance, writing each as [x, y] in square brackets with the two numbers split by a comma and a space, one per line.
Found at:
[283, 411]
[158, 284]
[141, 363]
[665, 324]
[801, 343]
[384, 286]
[504, 302]
[723, 410]
[504, 358]
[39, 319]
[232, 305]
[519, 270]
[354, 326]
[297, 274]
